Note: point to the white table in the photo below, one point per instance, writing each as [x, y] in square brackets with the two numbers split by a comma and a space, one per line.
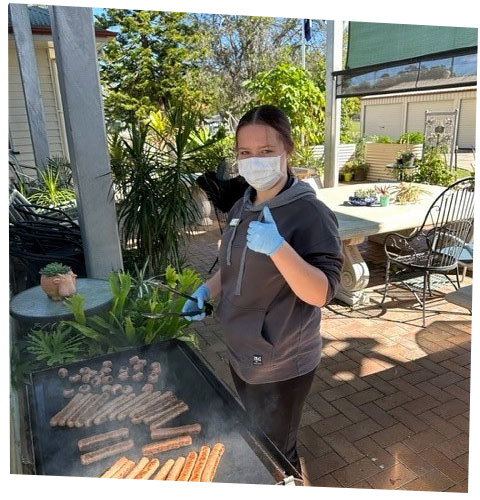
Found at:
[357, 223]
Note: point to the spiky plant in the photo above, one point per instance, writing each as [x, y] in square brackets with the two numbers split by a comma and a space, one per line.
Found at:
[54, 269]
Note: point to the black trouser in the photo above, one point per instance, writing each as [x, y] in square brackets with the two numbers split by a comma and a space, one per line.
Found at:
[277, 408]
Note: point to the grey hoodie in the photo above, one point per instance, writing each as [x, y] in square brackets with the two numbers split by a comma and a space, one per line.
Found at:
[271, 334]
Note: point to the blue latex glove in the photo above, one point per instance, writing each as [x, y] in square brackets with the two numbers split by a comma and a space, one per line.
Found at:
[264, 237]
[202, 293]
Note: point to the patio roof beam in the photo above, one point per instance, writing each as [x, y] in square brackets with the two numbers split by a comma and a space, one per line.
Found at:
[27, 62]
[332, 104]
[80, 89]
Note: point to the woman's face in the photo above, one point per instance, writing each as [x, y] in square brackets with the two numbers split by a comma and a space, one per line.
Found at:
[260, 140]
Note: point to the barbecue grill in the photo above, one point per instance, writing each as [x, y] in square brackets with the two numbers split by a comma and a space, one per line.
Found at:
[250, 456]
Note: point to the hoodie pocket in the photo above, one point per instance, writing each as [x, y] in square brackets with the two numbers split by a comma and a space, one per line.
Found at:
[244, 334]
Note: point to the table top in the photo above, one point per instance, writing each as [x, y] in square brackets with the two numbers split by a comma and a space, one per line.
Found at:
[356, 221]
[33, 305]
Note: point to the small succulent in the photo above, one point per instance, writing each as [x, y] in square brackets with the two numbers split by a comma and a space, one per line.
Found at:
[364, 193]
[54, 269]
[384, 190]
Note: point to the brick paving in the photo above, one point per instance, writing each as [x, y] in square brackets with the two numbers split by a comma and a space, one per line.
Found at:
[389, 404]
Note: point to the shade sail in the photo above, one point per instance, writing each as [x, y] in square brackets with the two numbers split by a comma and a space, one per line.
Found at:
[386, 58]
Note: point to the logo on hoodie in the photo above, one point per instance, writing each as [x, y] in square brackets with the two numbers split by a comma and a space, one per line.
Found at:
[257, 359]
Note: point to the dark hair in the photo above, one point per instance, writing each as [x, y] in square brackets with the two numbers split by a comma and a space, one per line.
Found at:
[273, 117]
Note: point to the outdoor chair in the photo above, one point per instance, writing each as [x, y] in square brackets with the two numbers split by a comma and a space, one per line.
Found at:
[435, 247]
[36, 240]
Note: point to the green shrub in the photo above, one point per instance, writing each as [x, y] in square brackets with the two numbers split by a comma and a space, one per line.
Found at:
[55, 268]
[433, 169]
[411, 138]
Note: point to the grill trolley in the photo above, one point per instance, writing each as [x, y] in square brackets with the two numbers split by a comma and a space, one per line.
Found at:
[250, 457]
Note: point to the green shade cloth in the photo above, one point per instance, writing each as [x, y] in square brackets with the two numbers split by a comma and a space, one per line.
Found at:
[378, 43]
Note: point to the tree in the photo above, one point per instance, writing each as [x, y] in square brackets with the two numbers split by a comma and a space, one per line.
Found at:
[154, 58]
[238, 48]
[291, 88]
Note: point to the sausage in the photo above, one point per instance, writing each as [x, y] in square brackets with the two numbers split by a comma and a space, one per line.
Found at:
[122, 413]
[128, 398]
[63, 373]
[212, 463]
[161, 410]
[169, 415]
[149, 401]
[71, 404]
[108, 451]
[140, 465]
[149, 469]
[85, 418]
[188, 466]
[176, 469]
[155, 401]
[124, 470]
[168, 432]
[166, 445]
[133, 360]
[85, 409]
[115, 467]
[116, 389]
[86, 444]
[200, 465]
[127, 389]
[155, 367]
[102, 414]
[164, 470]
[68, 393]
[71, 419]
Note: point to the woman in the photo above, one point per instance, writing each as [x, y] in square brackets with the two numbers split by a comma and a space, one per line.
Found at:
[280, 262]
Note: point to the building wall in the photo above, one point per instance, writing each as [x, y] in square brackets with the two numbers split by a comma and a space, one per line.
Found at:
[395, 114]
[18, 122]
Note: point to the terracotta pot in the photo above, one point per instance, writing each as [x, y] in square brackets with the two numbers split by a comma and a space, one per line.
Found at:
[60, 286]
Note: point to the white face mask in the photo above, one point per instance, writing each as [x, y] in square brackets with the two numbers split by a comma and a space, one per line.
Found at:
[261, 172]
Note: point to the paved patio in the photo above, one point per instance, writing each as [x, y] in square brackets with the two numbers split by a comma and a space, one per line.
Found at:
[389, 406]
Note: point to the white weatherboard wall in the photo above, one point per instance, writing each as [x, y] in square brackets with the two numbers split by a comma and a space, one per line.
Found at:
[383, 119]
[466, 128]
[395, 114]
[18, 122]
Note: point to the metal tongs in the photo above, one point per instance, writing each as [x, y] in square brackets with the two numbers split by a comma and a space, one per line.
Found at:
[207, 308]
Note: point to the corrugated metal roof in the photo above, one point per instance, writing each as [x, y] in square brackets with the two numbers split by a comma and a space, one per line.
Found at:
[39, 17]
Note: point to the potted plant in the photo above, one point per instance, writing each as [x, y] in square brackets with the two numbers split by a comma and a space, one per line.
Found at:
[406, 158]
[385, 191]
[58, 281]
[409, 193]
[360, 169]
[363, 197]
[348, 170]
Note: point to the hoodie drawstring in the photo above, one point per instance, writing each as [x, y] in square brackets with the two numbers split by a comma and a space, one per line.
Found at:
[238, 288]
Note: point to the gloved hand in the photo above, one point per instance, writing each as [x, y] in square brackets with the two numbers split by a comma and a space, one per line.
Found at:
[202, 293]
[264, 237]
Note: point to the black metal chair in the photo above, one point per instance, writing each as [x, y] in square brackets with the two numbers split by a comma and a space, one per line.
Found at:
[222, 192]
[435, 247]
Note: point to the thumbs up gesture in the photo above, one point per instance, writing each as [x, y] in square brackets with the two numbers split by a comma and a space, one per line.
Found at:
[264, 237]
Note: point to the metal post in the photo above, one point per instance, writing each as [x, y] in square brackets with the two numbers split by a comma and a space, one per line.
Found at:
[76, 56]
[303, 43]
[332, 104]
[27, 62]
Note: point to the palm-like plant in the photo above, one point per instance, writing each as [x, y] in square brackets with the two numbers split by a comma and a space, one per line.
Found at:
[155, 176]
